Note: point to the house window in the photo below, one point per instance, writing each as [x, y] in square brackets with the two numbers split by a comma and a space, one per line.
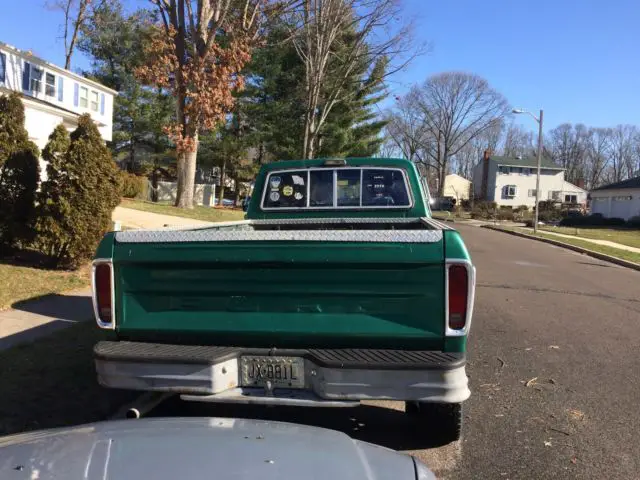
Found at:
[84, 97]
[526, 171]
[555, 195]
[532, 192]
[516, 169]
[622, 198]
[571, 199]
[50, 85]
[503, 170]
[36, 79]
[94, 101]
[3, 67]
[510, 191]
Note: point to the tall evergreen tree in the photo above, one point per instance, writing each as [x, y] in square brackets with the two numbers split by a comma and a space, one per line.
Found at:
[115, 42]
[19, 175]
[274, 106]
[77, 199]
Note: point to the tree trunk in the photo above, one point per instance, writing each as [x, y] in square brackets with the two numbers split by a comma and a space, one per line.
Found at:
[223, 176]
[186, 178]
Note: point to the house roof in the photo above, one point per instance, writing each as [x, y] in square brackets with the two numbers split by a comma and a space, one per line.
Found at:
[526, 162]
[30, 56]
[631, 183]
[459, 176]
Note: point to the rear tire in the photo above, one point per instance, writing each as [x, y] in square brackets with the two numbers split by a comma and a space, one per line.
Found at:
[443, 420]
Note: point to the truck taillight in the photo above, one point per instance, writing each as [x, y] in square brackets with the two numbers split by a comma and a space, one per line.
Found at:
[458, 295]
[103, 294]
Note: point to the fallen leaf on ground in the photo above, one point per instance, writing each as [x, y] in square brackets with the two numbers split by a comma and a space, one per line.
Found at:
[576, 414]
[527, 349]
[531, 382]
[574, 460]
[547, 444]
[555, 347]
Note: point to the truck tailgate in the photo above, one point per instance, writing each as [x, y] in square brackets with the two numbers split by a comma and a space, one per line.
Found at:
[296, 292]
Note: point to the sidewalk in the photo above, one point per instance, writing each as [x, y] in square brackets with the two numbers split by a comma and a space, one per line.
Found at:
[606, 243]
[32, 319]
[131, 218]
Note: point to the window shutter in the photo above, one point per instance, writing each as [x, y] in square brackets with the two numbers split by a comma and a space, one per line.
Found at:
[102, 104]
[3, 66]
[76, 94]
[26, 74]
[60, 88]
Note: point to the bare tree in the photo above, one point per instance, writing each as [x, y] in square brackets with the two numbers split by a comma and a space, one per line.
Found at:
[76, 13]
[456, 108]
[333, 37]
[569, 145]
[623, 151]
[517, 141]
[406, 128]
[597, 158]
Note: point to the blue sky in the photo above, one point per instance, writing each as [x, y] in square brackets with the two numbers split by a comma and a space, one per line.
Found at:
[577, 59]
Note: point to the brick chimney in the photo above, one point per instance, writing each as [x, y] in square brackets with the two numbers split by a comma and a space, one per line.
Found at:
[485, 174]
[580, 183]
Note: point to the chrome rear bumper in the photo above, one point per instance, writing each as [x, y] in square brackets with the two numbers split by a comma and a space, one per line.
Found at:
[216, 378]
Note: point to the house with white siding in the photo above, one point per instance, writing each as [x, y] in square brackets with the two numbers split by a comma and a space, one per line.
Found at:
[53, 95]
[511, 181]
[617, 200]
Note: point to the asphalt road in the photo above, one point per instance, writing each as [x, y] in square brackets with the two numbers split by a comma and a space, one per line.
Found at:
[553, 365]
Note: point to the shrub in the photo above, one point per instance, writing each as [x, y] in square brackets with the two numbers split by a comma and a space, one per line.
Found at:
[81, 192]
[505, 214]
[595, 220]
[615, 222]
[634, 222]
[521, 208]
[466, 205]
[19, 174]
[132, 185]
[18, 185]
[12, 132]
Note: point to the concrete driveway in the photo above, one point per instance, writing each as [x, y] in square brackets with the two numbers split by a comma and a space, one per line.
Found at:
[553, 367]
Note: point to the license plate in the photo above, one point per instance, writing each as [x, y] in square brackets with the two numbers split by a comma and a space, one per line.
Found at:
[282, 372]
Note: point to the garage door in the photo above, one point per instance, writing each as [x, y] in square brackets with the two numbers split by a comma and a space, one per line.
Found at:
[600, 205]
[621, 207]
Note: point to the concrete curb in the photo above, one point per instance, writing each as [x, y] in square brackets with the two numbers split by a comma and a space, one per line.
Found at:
[591, 253]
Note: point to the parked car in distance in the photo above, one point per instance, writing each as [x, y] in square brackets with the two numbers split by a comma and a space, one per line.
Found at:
[338, 287]
[197, 448]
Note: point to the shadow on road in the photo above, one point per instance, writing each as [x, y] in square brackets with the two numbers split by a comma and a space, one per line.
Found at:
[388, 427]
[74, 308]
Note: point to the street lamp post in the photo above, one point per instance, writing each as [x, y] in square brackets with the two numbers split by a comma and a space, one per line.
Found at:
[539, 161]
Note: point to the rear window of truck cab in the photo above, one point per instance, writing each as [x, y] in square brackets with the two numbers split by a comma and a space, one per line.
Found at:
[335, 188]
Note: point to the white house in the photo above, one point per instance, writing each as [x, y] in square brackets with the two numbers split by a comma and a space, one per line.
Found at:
[456, 187]
[511, 181]
[617, 200]
[53, 95]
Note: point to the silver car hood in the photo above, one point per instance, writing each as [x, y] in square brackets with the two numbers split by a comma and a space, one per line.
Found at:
[197, 448]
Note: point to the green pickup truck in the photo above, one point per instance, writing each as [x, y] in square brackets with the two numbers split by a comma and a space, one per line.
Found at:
[337, 287]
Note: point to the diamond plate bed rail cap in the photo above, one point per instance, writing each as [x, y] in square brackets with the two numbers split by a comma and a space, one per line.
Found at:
[224, 235]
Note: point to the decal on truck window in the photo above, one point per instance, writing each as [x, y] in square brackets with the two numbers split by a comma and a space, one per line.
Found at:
[335, 188]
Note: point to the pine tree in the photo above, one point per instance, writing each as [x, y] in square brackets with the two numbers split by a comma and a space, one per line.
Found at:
[19, 175]
[274, 106]
[78, 197]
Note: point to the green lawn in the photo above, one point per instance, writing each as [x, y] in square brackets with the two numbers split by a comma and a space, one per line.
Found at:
[627, 237]
[21, 283]
[207, 214]
[614, 252]
[51, 382]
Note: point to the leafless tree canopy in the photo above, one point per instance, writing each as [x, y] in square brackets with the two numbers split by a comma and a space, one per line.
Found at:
[76, 13]
[318, 31]
[441, 119]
